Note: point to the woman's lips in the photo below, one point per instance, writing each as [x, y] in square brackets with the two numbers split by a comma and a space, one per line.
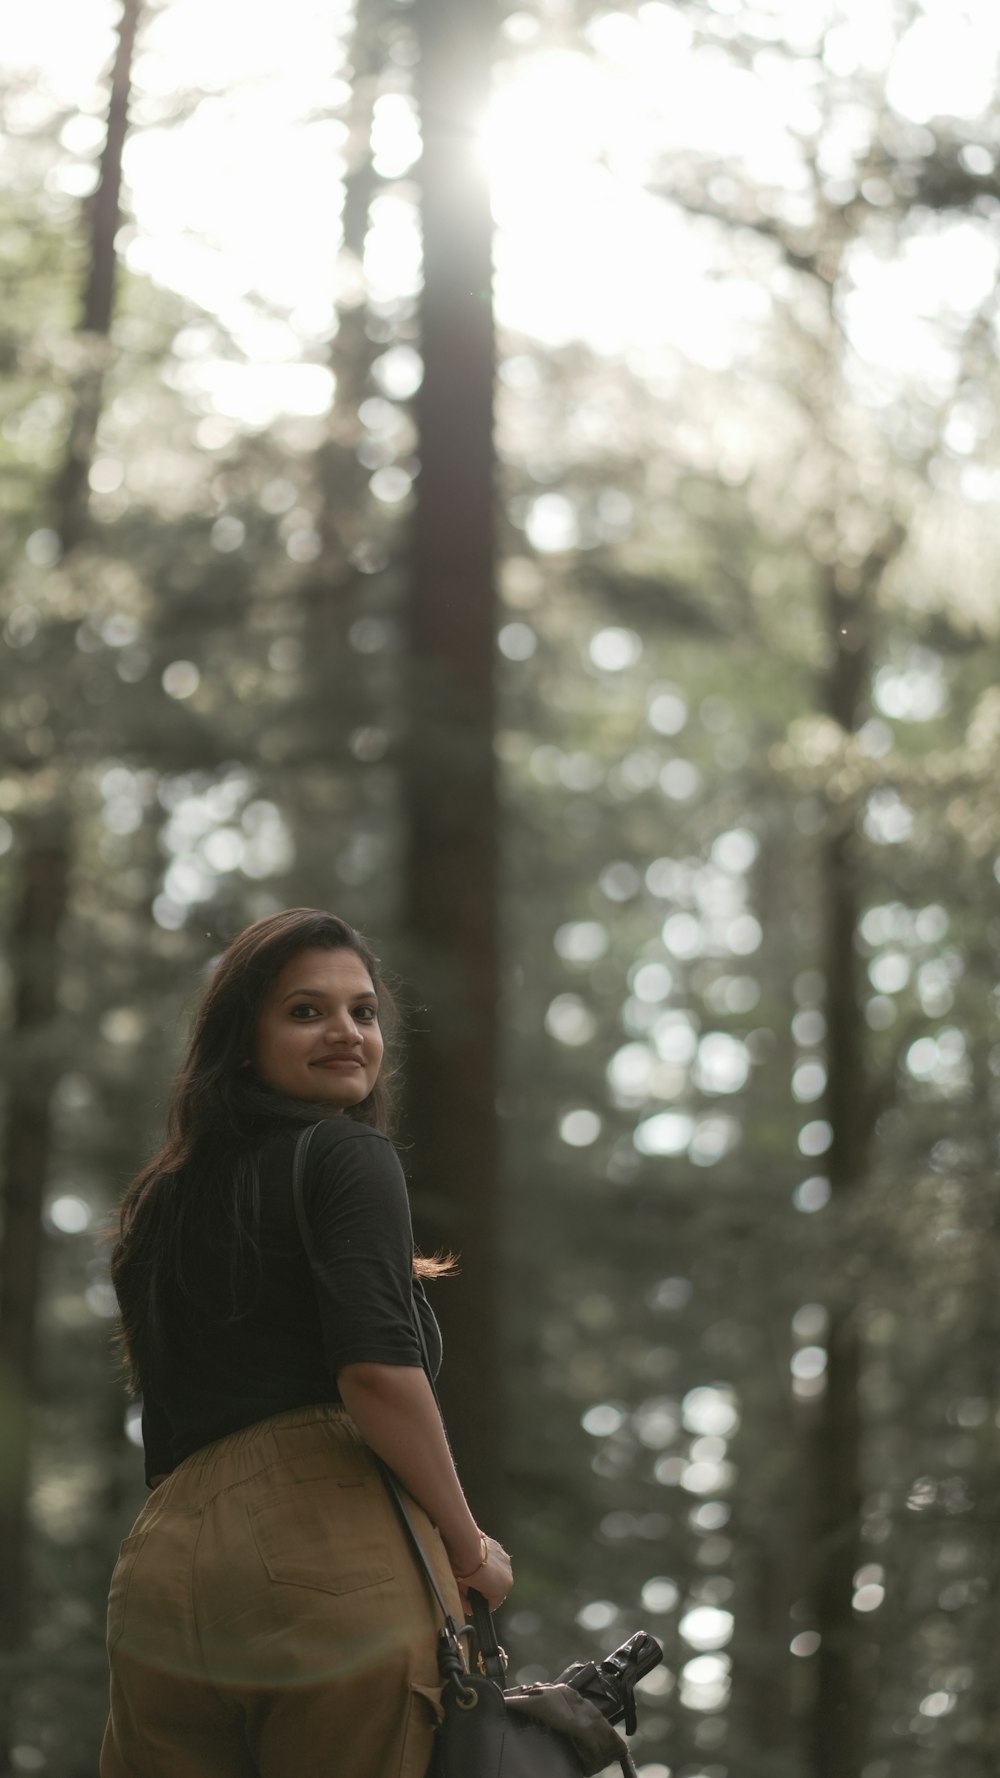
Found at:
[339, 1062]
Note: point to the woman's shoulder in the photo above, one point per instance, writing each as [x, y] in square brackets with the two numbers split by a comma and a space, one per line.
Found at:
[330, 1132]
[334, 1144]
[346, 1162]
[349, 1162]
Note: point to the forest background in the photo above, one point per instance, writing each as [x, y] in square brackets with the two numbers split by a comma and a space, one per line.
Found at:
[527, 480]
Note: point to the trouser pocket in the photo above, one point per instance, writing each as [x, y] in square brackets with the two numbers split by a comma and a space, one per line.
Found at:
[326, 1534]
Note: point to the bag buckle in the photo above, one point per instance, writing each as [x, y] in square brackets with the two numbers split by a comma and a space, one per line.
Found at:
[481, 1660]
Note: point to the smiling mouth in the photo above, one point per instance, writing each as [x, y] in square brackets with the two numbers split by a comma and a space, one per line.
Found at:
[338, 1062]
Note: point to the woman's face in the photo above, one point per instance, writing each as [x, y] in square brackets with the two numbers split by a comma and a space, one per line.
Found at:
[317, 1032]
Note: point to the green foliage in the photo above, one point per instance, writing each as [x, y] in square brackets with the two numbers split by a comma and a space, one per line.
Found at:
[209, 686]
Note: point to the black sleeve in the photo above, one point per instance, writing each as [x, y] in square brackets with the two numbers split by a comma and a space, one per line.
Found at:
[359, 1215]
[155, 1439]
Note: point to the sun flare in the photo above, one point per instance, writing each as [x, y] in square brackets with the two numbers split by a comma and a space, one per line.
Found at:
[583, 142]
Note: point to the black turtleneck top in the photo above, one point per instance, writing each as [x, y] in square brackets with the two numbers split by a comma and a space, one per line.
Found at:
[287, 1351]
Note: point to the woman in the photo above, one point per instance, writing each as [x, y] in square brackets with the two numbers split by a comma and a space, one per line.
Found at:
[266, 1617]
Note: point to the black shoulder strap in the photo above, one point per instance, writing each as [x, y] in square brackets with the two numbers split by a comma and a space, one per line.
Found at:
[302, 1142]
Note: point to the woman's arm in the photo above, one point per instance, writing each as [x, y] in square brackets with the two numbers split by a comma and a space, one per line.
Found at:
[396, 1414]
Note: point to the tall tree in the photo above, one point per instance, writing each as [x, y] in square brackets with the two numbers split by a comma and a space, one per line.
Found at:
[839, 1719]
[450, 913]
[46, 858]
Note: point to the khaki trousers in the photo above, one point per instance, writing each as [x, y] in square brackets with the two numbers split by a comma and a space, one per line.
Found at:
[267, 1618]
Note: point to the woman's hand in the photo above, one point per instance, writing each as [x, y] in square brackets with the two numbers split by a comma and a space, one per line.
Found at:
[493, 1579]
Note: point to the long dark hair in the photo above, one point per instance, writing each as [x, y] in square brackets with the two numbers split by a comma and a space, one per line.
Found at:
[200, 1193]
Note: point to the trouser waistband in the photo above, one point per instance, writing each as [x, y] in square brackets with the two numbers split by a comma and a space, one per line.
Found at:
[241, 1455]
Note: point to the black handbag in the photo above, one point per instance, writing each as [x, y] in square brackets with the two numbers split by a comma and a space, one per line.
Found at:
[531, 1731]
[562, 1730]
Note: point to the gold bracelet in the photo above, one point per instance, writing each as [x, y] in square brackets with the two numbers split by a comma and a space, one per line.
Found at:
[480, 1564]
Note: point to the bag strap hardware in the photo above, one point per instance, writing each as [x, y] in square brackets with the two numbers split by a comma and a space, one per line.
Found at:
[481, 1661]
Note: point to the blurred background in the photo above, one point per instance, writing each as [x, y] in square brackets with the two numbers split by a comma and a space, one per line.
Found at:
[527, 481]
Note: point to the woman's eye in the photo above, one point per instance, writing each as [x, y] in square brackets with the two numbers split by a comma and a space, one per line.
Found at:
[367, 1014]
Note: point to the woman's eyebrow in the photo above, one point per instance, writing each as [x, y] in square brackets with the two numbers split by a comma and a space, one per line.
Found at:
[319, 994]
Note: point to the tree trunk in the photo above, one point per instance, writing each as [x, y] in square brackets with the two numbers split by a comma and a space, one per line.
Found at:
[837, 1726]
[26, 1157]
[449, 771]
[70, 487]
[766, 1527]
[46, 856]
[980, 1367]
[342, 478]
[335, 696]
